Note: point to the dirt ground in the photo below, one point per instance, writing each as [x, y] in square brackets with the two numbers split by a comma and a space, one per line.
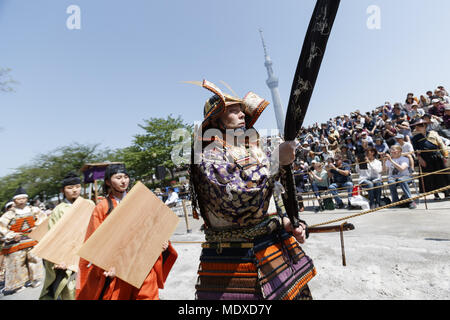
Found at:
[393, 254]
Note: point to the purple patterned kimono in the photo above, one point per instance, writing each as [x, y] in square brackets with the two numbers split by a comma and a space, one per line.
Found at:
[234, 186]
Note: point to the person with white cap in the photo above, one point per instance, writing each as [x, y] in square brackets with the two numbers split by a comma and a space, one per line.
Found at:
[407, 150]
[404, 129]
[443, 95]
[21, 267]
[172, 198]
[416, 111]
[438, 109]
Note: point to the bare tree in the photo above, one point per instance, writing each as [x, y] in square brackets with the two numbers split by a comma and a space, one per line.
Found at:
[6, 81]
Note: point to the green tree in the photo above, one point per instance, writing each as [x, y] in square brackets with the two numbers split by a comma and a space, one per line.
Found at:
[152, 148]
[6, 80]
[42, 177]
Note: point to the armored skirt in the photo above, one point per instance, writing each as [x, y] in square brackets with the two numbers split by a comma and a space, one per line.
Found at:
[272, 267]
[247, 254]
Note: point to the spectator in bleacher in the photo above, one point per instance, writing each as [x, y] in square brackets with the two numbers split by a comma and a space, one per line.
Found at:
[323, 141]
[303, 152]
[385, 117]
[361, 148]
[346, 154]
[369, 123]
[333, 136]
[431, 96]
[158, 193]
[348, 123]
[411, 95]
[325, 154]
[399, 115]
[359, 120]
[397, 168]
[432, 159]
[319, 182]
[364, 136]
[424, 102]
[323, 131]
[381, 146]
[416, 112]
[340, 172]
[445, 131]
[437, 109]
[380, 118]
[407, 147]
[387, 109]
[349, 143]
[407, 150]
[408, 103]
[312, 157]
[433, 122]
[389, 133]
[349, 135]
[300, 179]
[370, 176]
[404, 129]
[443, 96]
[444, 90]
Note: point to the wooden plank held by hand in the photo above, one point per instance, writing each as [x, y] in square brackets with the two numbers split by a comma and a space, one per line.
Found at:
[39, 232]
[131, 238]
[61, 243]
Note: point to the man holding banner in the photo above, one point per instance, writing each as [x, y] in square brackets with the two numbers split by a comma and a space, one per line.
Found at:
[248, 253]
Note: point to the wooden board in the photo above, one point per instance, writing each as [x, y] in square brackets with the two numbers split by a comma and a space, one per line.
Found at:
[62, 242]
[131, 238]
[39, 232]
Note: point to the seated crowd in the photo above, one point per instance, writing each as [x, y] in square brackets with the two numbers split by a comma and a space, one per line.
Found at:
[393, 141]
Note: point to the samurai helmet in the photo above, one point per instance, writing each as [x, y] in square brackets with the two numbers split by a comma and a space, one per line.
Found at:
[252, 104]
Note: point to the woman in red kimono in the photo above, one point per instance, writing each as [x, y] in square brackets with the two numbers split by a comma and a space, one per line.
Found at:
[95, 283]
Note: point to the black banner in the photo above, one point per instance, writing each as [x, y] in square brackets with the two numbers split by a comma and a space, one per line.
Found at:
[313, 50]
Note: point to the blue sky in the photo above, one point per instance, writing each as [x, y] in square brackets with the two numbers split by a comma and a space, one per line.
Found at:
[126, 63]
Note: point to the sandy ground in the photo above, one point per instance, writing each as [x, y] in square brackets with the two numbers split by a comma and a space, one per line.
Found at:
[393, 254]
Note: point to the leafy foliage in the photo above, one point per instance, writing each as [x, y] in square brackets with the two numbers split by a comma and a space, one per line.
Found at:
[44, 175]
[6, 81]
[153, 148]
